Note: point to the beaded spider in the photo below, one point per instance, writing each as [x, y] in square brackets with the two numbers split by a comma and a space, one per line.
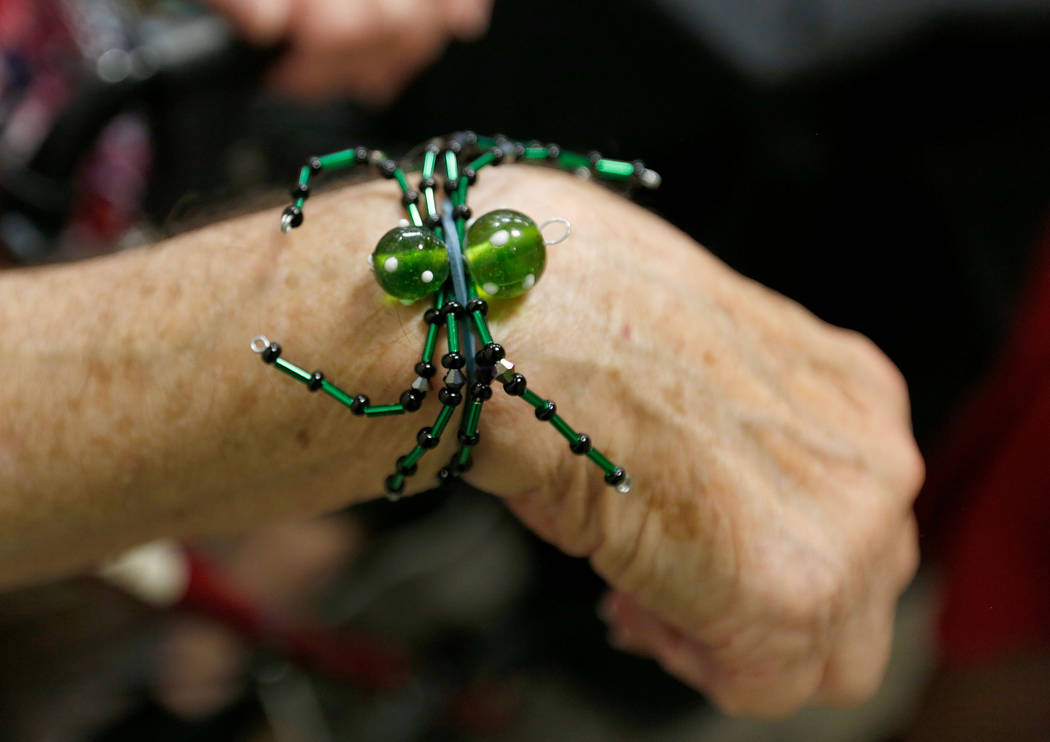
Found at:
[501, 254]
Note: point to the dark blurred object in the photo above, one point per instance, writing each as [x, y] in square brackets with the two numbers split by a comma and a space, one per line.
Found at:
[146, 68]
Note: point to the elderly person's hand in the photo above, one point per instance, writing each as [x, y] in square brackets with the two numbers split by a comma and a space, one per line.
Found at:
[769, 532]
[364, 48]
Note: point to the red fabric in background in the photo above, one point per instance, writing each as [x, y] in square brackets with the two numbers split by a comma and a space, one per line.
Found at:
[992, 479]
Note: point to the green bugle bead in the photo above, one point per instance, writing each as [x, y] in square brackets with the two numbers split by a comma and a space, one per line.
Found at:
[442, 420]
[384, 410]
[413, 457]
[337, 159]
[451, 165]
[292, 370]
[617, 169]
[464, 454]
[596, 456]
[429, 161]
[401, 181]
[563, 427]
[413, 215]
[535, 153]
[428, 195]
[304, 175]
[473, 416]
[483, 328]
[453, 334]
[336, 393]
[572, 161]
[483, 161]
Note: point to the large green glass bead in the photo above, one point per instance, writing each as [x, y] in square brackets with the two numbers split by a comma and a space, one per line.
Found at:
[505, 253]
[410, 263]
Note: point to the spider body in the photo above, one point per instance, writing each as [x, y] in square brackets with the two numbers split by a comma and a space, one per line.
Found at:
[501, 255]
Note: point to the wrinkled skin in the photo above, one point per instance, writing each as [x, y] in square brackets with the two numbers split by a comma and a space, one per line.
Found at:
[769, 533]
[368, 49]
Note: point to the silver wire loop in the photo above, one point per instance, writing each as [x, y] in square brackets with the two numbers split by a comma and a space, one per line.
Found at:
[565, 236]
[286, 223]
[259, 343]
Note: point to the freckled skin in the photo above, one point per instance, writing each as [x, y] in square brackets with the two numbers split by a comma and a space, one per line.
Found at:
[770, 530]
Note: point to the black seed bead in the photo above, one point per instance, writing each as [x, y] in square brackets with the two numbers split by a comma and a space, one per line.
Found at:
[434, 148]
[452, 307]
[425, 183]
[498, 155]
[478, 305]
[594, 156]
[432, 221]
[453, 360]
[433, 316]
[501, 139]
[451, 184]
[470, 137]
[616, 477]
[271, 353]
[425, 438]
[465, 466]
[296, 214]
[314, 163]
[450, 397]
[582, 444]
[469, 440]
[470, 174]
[426, 369]
[639, 167]
[455, 146]
[300, 190]
[516, 386]
[462, 211]
[490, 355]
[553, 151]
[387, 168]
[388, 485]
[480, 391]
[358, 405]
[315, 381]
[485, 374]
[362, 155]
[519, 150]
[408, 471]
[546, 412]
[412, 399]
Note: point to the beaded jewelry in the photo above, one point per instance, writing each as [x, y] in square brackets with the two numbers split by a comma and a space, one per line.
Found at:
[500, 255]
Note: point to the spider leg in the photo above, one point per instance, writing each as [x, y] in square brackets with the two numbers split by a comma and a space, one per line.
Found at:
[292, 216]
[411, 399]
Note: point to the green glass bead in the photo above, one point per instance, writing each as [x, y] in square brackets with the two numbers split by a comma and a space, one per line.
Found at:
[410, 263]
[505, 253]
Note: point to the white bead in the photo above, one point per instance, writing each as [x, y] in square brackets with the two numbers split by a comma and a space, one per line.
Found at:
[529, 282]
[500, 238]
[491, 288]
[427, 276]
[390, 264]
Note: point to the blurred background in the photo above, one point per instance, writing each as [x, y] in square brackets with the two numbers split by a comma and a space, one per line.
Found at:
[884, 163]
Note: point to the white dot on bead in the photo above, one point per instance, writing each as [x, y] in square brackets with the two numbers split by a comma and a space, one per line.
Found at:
[390, 264]
[404, 223]
[491, 288]
[500, 238]
[427, 276]
[529, 282]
